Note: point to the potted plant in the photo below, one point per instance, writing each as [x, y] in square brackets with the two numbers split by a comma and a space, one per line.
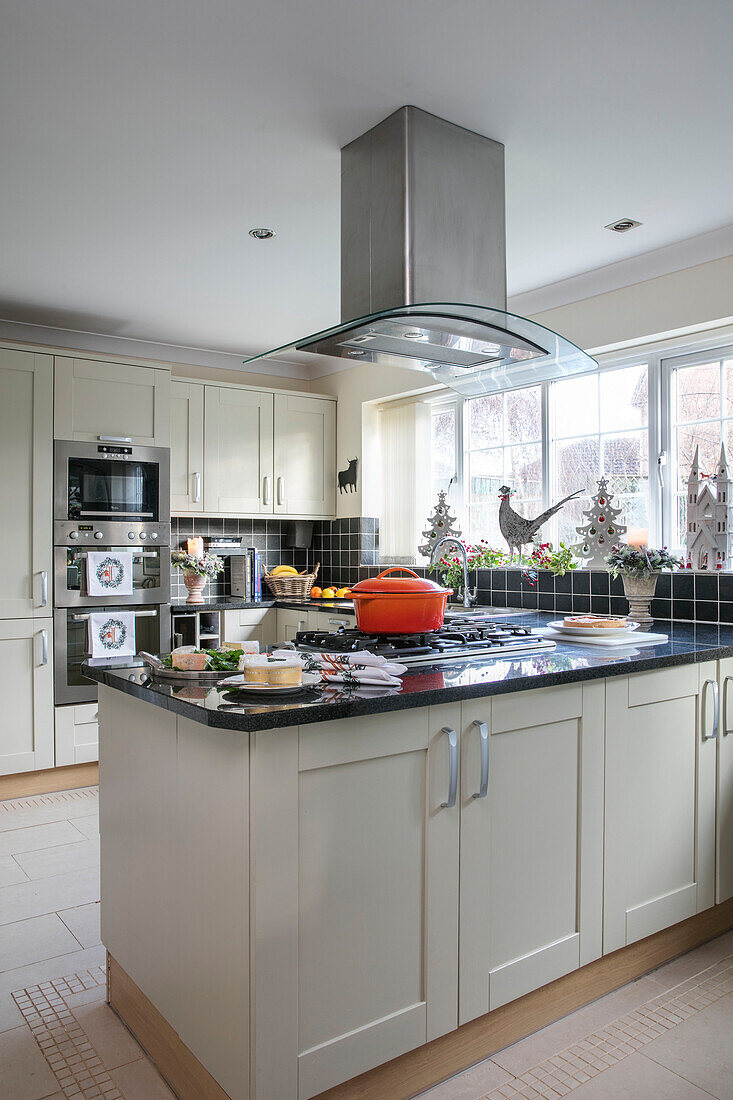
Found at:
[640, 567]
[196, 572]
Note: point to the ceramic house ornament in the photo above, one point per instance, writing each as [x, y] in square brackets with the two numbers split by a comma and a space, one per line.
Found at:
[708, 515]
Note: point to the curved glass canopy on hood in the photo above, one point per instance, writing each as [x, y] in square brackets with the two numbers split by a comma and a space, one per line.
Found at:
[471, 349]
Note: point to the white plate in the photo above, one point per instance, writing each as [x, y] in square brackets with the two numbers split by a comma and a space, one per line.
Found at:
[310, 679]
[593, 631]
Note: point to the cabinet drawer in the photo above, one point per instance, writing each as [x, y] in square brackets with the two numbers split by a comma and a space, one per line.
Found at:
[76, 734]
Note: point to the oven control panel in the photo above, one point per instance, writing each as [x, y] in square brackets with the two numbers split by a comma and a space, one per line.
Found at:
[118, 533]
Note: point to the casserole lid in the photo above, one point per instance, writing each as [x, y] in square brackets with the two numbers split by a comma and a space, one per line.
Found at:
[393, 586]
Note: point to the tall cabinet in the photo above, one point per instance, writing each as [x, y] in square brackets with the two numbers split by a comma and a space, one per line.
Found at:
[26, 456]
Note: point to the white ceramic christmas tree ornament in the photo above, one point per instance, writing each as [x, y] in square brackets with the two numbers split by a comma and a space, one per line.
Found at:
[602, 531]
[708, 515]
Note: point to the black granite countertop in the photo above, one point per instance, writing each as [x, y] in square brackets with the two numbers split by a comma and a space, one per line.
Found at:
[443, 682]
[236, 603]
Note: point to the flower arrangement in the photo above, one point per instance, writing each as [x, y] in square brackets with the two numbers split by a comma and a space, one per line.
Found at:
[632, 561]
[482, 556]
[207, 566]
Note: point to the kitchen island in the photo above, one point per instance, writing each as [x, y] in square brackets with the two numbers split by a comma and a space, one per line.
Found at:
[396, 886]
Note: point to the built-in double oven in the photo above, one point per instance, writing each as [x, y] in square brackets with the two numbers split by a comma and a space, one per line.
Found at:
[114, 497]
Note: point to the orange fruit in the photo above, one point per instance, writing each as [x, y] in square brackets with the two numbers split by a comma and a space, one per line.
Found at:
[316, 593]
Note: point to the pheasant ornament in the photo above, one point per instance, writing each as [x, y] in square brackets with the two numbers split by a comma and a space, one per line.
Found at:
[517, 530]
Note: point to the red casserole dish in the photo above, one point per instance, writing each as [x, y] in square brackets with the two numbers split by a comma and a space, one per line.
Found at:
[399, 605]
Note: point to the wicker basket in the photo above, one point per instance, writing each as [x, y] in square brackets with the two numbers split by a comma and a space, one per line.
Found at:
[292, 588]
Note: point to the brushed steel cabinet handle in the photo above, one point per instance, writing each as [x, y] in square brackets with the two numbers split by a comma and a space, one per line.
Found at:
[44, 647]
[44, 588]
[726, 681]
[716, 710]
[196, 488]
[453, 774]
[266, 489]
[281, 490]
[114, 438]
[483, 730]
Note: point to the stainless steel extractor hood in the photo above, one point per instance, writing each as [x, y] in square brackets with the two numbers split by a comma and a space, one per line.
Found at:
[422, 234]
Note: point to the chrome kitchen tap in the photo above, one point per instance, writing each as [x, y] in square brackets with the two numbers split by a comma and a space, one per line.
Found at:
[468, 596]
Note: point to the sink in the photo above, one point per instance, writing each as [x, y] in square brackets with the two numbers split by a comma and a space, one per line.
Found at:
[455, 611]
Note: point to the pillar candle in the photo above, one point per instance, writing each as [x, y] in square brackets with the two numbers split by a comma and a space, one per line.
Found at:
[195, 547]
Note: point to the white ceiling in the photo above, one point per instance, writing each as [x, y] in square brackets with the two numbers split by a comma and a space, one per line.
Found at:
[141, 140]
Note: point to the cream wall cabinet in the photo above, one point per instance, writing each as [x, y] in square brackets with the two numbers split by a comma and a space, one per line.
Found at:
[660, 783]
[305, 456]
[724, 791]
[26, 678]
[251, 626]
[108, 400]
[77, 734]
[355, 926]
[26, 461]
[531, 841]
[237, 451]
[187, 447]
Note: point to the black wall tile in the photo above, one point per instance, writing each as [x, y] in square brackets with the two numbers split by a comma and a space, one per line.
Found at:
[683, 609]
[581, 582]
[706, 586]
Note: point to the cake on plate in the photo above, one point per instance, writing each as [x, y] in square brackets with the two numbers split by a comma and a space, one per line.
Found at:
[595, 621]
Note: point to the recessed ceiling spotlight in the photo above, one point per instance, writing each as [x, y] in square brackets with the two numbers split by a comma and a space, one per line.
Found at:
[623, 225]
[262, 234]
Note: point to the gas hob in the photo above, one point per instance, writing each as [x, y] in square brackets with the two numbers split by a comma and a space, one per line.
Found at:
[455, 641]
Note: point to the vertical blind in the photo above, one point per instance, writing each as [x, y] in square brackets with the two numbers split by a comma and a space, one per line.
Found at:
[405, 457]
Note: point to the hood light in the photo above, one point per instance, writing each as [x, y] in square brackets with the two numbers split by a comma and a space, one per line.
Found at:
[262, 234]
[623, 225]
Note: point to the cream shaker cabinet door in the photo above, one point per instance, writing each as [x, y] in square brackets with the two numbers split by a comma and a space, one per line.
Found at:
[355, 923]
[26, 461]
[114, 402]
[531, 841]
[305, 456]
[724, 801]
[289, 623]
[187, 447]
[26, 680]
[238, 451]
[77, 734]
[251, 626]
[661, 741]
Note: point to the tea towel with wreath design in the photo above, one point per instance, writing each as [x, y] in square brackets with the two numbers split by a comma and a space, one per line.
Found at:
[109, 573]
[112, 634]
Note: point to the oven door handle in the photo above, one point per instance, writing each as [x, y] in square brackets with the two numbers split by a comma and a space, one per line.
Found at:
[114, 438]
[137, 614]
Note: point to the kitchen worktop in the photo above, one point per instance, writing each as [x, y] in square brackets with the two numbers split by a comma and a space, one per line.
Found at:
[442, 682]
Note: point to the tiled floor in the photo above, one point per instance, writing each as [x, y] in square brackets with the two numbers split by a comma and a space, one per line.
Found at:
[57, 1036]
[667, 1036]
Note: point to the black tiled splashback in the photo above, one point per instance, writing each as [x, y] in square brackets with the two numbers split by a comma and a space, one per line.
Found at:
[348, 550]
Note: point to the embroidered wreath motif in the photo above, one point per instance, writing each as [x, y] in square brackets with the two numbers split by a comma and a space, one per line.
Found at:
[110, 573]
[113, 633]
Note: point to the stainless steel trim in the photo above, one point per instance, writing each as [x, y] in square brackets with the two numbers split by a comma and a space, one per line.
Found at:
[281, 490]
[114, 439]
[266, 490]
[44, 588]
[137, 614]
[135, 553]
[726, 681]
[453, 774]
[44, 647]
[483, 730]
[716, 711]
[197, 488]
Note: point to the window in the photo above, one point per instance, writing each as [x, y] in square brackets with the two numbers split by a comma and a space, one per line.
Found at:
[503, 447]
[700, 392]
[600, 428]
[636, 421]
